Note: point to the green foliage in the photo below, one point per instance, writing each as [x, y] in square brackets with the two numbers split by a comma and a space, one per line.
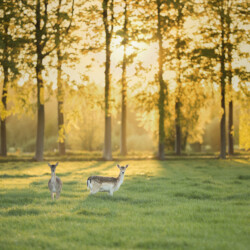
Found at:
[193, 204]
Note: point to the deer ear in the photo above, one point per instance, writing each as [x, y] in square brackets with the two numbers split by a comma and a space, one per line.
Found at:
[118, 166]
[49, 165]
[126, 166]
[56, 163]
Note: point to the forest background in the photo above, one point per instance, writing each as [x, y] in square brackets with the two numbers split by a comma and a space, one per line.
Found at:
[172, 74]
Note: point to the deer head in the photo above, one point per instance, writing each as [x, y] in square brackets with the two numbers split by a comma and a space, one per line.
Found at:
[53, 167]
[122, 169]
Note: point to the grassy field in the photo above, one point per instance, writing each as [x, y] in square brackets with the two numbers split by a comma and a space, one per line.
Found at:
[192, 204]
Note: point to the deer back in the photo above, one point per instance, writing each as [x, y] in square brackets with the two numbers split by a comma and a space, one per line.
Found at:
[102, 179]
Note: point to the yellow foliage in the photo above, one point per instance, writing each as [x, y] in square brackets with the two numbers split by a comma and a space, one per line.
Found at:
[244, 129]
[61, 135]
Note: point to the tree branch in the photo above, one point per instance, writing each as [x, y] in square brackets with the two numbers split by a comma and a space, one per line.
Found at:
[72, 13]
[45, 20]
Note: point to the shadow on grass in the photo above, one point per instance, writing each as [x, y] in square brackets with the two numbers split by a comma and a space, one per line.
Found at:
[22, 212]
[95, 212]
[21, 165]
[193, 195]
[113, 165]
[105, 197]
[39, 183]
[69, 195]
[70, 183]
[241, 196]
[99, 171]
[64, 174]
[96, 169]
[151, 244]
[244, 177]
[94, 165]
[5, 176]
[22, 197]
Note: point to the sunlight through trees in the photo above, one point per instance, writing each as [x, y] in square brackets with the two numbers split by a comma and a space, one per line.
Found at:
[170, 73]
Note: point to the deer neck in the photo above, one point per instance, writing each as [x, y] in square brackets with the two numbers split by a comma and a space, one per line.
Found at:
[120, 179]
[53, 177]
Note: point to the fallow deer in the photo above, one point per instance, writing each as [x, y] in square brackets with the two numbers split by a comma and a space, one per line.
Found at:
[106, 184]
[55, 183]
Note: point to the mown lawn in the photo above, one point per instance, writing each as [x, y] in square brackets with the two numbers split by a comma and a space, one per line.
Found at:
[192, 204]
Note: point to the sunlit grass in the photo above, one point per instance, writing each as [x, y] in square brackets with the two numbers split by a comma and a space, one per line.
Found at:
[132, 155]
[194, 204]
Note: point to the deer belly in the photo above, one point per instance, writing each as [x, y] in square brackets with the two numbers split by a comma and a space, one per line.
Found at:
[106, 187]
[53, 187]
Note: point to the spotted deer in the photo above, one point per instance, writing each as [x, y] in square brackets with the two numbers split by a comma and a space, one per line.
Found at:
[106, 184]
[55, 183]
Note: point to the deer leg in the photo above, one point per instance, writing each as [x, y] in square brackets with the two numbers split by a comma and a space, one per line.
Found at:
[111, 192]
[58, 195]
[52, 196]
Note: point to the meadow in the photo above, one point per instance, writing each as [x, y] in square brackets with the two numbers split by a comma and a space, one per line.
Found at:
[174, 204]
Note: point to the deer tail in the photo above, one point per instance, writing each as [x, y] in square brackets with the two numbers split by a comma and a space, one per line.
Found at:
[88, 183]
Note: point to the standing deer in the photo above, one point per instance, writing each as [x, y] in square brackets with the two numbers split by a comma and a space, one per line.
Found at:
[106, 184]
[55, 183]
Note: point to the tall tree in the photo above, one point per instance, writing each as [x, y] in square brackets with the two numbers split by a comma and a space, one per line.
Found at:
[124, 83]
[235, 19]
[179, 6]
[40, 44]
[161, 102]
[5, 65]
[230, 77]
[181, 39]
[41, 24]
[216, 48]
[62, 32]
[108, 21]
[222, 81]
[60, 94]
[222, 35]
[230, 16]
[9, 50]
[154, 27]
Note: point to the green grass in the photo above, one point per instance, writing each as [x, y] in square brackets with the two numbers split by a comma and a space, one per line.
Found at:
[193, 204]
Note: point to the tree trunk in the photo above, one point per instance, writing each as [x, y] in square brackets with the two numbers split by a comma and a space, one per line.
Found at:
[230, 108]
[3, 119]
[60, 103]
[60, 90]
[124, 87]
[107, 152]
[230, 115]
[223, 76]
[5, 64]
[107, 147]
[40, 114]
[184, 141]
[178, 89]
[161, 102]
[223, 124]
[107, 155]
[230, 130]
[177, 128]
[40, 88]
